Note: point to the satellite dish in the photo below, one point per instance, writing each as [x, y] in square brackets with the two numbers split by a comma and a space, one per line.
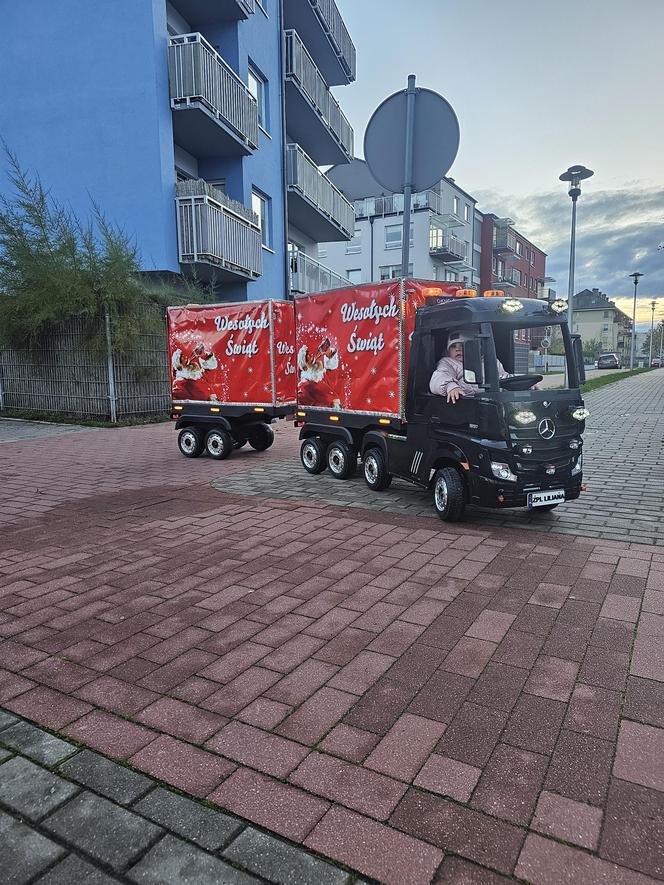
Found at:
[435, 140]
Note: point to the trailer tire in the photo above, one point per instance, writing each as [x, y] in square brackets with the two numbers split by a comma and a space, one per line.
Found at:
[341, 459]
[239, 441]
[218, 444]
[312, 455]
[449, 494]
[260, 437]
[376, 474]
[190, 442]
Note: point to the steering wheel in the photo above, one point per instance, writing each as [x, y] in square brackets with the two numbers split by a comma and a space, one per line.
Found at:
[520, 382]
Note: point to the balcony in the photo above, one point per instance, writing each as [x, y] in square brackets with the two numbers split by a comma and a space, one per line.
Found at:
[205, 12]
[315, 205]
[323, 32]
[307, 276]
[314, 118]
[217, 234]
[214, 114]
[504, 241]
[444, 246]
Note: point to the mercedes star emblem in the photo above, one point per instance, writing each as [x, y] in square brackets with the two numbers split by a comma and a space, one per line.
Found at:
[546, 428]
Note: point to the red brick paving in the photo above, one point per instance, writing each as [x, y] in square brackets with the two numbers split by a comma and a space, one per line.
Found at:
[421, 704]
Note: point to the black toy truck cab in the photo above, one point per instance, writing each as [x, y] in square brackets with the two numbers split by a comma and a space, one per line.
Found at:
[509, 445]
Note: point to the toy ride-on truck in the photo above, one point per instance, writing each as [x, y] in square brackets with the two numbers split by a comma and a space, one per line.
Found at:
[366, 356]
[232, 372]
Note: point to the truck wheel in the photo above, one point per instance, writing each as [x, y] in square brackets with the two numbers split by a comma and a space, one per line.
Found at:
[239, 441]
[341, 460]
[449, 496]
[312, 455]
[260, 437]
[190, 442]
[218, 444]
[375, 470]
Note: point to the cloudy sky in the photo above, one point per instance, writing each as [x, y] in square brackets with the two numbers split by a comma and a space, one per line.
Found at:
[535, 94]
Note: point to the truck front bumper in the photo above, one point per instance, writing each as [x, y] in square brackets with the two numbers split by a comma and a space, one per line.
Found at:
[499, 494]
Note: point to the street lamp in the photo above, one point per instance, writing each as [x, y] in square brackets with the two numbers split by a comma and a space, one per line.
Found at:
[653, 305]
[635, 276]
[574, 175]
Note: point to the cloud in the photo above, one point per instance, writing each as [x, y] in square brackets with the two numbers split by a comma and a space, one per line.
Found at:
[618, 232]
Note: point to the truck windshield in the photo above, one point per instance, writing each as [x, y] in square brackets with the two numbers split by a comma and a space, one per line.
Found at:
[528, 350]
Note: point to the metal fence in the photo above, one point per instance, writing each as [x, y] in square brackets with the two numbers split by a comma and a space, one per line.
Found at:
[301, 69]
[307, 275]
[335, 27]
[305, 176]
[70, 375]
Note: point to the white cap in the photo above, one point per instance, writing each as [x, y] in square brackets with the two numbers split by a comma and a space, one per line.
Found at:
[457, 338]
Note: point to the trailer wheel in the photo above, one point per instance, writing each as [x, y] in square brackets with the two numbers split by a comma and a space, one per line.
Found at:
[239, 441]
[341, 459]
[312, 455]
[190, 442]
[260, 437]
[449, 494]
[218, 444]
[375, 470]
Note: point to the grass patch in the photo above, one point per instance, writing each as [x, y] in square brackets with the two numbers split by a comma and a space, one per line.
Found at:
[594, 383]
[82, 421]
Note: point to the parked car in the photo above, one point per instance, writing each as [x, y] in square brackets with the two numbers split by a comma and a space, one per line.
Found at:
[656, 363]
[609, 361]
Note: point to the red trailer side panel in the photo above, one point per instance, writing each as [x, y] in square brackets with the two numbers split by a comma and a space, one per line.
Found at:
[227, 354]
[285, 373]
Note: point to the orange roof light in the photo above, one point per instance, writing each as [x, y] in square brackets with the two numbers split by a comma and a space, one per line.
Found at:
[494, 293]
[466, 293]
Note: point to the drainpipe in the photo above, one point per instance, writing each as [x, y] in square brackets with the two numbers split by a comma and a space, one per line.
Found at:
[371, 250]
[284, 177]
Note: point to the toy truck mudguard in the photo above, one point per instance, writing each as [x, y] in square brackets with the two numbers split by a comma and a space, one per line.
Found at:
[233, 371]
[365, 358]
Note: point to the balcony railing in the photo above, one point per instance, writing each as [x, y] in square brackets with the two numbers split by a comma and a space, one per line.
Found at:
[393, 204]
[301, 69]
[504, 241]
[198, 75]
[308, 275]
[217, 230]
[445, 246]
[338, 35]
[306, 178]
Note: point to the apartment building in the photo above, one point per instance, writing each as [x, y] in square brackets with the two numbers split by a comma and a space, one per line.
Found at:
[444, 231]
[197, 127]
[509, 260]
[597, 318]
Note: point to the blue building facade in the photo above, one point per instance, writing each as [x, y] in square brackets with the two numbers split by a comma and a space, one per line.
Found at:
[197, 126]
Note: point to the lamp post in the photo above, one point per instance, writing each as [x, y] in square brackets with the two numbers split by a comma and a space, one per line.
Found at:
[653, 305]
[661, 341]
[635, 276]
[574, 175]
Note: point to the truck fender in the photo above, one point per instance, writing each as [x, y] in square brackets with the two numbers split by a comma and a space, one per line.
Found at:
[211, 420]
[327, 432]
[375, 439]
[451, 456]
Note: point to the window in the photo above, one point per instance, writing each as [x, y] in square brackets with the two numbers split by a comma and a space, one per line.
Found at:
[606, 314]
[605, 327]
[355, 243]
[451, 276]
[354, 275]
[532, 257]
[391, 271]
[519, 248]
[322, 250]
[516, 276]
[393, 234]
[466, 212]
[456, 206]
[258, 88]
[501, 269]
[261, 206]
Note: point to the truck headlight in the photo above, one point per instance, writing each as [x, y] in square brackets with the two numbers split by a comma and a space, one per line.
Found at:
[511, 305]
[502, 471]
[524, 417]
[578, 467]
[558, 306]
[580, 414]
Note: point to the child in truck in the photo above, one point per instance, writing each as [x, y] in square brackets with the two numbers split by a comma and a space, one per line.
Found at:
[447, 379]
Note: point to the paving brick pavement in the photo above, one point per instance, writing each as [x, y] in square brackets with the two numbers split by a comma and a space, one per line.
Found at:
[69, 816]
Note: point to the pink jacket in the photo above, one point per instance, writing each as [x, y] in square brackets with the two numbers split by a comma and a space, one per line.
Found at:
[449, 375]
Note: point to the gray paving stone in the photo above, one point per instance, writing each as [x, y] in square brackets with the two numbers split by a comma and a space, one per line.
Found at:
[30, 790]
[74, 870]
[23, 852]
[108, 833]
[6, 719]
[280, 862]
[35, 743]
[4, 754]
[207, 828]
[173, 860]
[106, 777]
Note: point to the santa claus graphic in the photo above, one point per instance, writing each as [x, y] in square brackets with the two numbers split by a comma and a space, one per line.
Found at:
[318, 376]
[189, 368]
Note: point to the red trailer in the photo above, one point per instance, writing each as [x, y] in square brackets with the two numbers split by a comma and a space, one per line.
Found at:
[232, 372]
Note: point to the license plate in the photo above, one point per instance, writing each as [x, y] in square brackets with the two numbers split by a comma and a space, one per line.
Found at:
[541, 499]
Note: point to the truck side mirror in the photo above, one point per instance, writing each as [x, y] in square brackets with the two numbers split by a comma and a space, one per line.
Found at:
[577, 349]
[473, 364]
